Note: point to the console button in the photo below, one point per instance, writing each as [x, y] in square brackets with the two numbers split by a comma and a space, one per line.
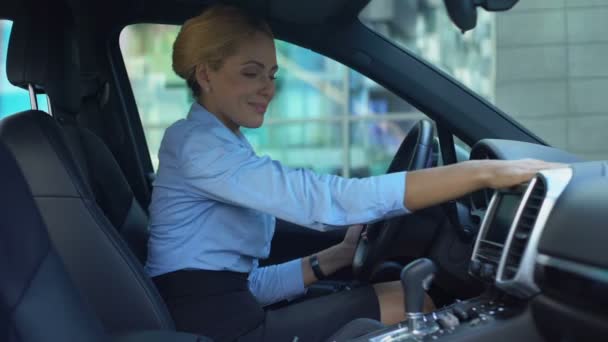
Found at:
[474, 322]
[460, 313]
[447, 320]
[473, 312]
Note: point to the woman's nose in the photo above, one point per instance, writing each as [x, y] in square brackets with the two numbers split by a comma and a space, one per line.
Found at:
[268, 88]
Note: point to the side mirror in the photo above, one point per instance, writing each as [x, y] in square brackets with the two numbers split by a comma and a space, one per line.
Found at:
[464, 12]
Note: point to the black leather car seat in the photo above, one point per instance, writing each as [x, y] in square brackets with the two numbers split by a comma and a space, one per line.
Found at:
[47, 59]
[64, 169]
[38, 301]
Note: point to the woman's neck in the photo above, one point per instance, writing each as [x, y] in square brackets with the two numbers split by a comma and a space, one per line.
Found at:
[224, 119]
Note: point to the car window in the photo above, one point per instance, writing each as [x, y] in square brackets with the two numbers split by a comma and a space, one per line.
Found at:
[12, 99]
[324, 115]
[542, 62]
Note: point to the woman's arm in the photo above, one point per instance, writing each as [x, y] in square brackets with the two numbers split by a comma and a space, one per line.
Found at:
[235, 175]
[274, 283]
[432, 186]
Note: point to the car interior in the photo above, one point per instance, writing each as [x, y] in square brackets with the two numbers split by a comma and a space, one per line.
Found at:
[525, 263]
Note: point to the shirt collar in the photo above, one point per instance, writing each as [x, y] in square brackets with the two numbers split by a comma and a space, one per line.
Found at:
[201, 114]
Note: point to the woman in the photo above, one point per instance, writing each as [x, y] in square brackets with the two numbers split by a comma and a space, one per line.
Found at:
[214, 201]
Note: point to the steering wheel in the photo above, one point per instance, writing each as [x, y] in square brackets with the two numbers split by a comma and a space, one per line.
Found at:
[414, 153]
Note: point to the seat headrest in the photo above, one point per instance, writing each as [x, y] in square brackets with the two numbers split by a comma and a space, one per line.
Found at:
[44, 54]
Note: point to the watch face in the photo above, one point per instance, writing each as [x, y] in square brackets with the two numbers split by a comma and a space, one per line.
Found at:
[316, 269]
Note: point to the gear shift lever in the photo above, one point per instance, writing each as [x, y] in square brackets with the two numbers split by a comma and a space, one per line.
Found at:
[415, 279]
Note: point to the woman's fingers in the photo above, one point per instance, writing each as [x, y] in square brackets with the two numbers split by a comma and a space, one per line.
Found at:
[352, 234]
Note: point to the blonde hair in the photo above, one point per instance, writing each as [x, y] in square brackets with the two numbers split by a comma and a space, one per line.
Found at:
[210, 38]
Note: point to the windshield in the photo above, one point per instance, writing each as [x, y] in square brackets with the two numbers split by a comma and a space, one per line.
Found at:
[543, 62]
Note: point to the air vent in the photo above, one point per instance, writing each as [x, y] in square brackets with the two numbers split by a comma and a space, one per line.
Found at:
[524, 229]
[489, 251]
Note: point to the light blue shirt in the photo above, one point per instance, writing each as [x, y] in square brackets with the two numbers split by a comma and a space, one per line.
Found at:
[215, 201]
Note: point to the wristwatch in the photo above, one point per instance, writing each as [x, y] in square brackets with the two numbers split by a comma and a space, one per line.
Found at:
[316, 269]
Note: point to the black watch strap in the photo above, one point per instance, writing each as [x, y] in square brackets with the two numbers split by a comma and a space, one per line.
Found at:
[316, 269]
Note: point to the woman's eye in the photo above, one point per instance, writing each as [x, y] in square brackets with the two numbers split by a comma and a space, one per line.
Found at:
[250, 74]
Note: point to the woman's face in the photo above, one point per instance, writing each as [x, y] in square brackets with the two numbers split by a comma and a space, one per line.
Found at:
[240, 91]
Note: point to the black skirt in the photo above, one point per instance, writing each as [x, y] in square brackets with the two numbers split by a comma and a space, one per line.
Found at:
[218, 304]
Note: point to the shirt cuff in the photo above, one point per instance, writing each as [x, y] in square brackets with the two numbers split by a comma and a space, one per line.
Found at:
[392, 188]
[294, 281]
[271, 284]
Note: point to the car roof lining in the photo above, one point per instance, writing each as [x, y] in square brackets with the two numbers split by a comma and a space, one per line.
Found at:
[314, 15]
[312, 12]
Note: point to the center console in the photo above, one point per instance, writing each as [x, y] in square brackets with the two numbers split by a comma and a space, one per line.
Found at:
[504, 257]
[455, 322]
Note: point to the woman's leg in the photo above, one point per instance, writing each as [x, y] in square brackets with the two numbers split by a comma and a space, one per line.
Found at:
[318, 318]
[392, 303]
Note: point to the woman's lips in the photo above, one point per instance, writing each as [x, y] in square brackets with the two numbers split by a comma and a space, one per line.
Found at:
[259, 108]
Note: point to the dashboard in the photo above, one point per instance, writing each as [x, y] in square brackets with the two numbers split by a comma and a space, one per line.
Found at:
[541, 250]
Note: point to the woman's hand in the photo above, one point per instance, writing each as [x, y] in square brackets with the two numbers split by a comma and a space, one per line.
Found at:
[334, 257]
[349, 244]
[352, 235]
[506, 173]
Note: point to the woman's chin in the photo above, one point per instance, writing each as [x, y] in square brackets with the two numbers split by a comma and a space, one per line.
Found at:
[254, 123]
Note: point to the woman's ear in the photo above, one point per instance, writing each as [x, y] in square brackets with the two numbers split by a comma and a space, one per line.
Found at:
[202, 77]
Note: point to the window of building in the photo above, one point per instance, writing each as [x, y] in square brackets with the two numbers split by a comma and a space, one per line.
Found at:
[324, 116]
[542, 62]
